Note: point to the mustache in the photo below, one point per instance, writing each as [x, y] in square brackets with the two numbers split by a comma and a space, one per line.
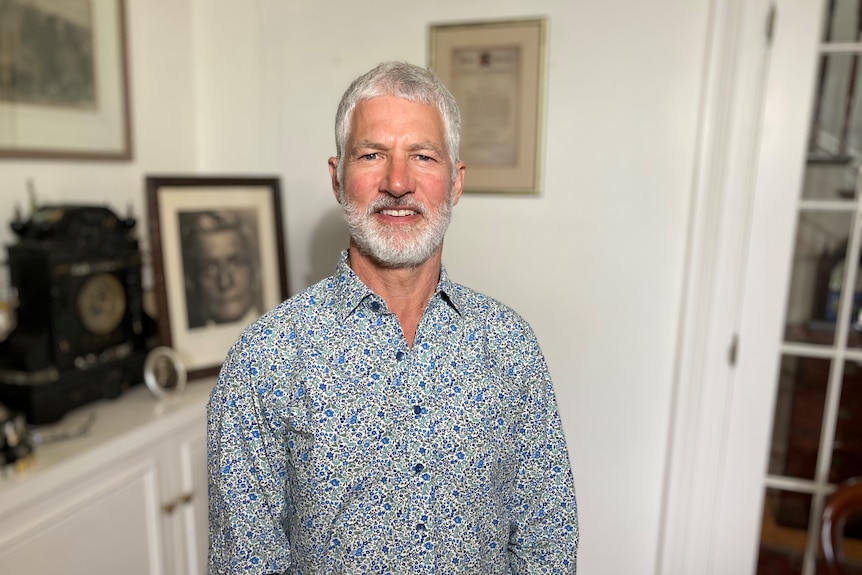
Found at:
[392, 203]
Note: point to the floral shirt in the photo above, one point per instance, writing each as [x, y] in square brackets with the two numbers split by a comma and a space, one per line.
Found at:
[336, 448]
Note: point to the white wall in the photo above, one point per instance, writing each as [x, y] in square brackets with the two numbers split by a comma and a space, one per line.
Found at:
[162, 97]
[595, 262]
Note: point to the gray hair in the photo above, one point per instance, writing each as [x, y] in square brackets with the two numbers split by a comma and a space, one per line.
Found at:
[401, 80]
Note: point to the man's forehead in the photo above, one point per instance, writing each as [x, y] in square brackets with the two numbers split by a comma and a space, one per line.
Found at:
[385, 100]
[395, 113]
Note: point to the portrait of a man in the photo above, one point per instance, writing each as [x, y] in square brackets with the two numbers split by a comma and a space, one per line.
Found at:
[221, 267]
[165, 373]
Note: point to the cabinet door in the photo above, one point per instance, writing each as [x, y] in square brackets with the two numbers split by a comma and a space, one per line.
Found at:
[108, 524]
[189, 519]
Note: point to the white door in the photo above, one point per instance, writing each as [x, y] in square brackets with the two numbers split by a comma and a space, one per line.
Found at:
[768, 410]
[796, 414]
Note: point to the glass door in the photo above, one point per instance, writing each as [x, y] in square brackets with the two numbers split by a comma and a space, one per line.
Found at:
[817, 422]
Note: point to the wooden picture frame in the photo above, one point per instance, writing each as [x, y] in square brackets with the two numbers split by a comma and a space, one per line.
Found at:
[64, 80]
[496, 72]
[219, 261]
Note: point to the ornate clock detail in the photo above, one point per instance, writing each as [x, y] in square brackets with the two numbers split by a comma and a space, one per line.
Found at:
[82, 334]
[101, 303]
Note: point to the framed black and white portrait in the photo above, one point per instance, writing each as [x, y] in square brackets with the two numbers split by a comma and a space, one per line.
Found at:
[218, 261]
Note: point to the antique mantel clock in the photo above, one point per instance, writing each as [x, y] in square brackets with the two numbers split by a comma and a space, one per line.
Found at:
[81, 332]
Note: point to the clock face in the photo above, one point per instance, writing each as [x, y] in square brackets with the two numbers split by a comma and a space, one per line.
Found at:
[101, 303]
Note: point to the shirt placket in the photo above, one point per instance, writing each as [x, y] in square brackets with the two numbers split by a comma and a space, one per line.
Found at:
[419, 465]
[423, 368]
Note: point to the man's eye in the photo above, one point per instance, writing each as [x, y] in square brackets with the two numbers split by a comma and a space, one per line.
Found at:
[371, 156]
[424, 158]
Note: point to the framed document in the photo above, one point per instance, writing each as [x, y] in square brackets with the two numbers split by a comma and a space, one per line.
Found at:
[495, 71]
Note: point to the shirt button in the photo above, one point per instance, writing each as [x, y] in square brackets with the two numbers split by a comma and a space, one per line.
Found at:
[418, 468]
[399, 356]
[375, 306]
[420, 527]
[417, 409]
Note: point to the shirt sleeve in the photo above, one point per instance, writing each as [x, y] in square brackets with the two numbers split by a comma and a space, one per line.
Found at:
[545, 533]
[246, 462]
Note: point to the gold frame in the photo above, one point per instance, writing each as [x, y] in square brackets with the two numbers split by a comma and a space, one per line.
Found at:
[496, 71]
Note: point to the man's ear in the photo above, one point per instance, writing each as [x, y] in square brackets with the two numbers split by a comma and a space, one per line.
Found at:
[333, 175]
[458, 184]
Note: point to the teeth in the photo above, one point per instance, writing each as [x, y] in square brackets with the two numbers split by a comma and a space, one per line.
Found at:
[399, 213]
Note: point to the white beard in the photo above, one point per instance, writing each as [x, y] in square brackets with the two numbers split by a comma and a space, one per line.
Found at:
[404, 246]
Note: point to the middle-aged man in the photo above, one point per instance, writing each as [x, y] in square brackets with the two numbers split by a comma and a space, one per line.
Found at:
[387, 419]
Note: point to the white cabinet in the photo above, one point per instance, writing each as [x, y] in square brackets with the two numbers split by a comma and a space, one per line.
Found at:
[129, 496]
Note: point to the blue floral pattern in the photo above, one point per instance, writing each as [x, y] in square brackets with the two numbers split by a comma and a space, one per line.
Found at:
[335, 448]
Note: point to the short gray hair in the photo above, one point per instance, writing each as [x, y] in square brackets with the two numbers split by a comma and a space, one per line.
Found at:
[401, 80]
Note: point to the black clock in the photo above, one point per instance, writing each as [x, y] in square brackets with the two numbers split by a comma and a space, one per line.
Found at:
[81, 331]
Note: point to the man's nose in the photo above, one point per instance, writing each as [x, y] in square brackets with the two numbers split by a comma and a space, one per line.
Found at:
[225, 276]
[398, 180]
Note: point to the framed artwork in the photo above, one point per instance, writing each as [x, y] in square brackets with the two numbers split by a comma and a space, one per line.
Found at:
[219, 261]
[164, 372]
[63, 80]
[496, 72]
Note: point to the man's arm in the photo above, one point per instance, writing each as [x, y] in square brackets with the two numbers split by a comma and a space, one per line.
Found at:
[545, 533]
[246, 470]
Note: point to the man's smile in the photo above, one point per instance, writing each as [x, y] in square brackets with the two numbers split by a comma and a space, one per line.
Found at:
[398, 213]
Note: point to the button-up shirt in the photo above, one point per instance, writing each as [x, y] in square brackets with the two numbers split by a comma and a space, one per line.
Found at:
[334, 447]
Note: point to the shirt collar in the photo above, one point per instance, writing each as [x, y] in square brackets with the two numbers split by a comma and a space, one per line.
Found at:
[350, 291]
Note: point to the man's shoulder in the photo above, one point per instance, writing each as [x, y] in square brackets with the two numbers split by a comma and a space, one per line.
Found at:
[485, 309]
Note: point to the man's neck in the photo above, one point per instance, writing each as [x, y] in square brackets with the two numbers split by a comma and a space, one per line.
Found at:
[406, 291]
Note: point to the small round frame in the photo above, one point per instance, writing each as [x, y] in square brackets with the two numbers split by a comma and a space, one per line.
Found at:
[164, 372]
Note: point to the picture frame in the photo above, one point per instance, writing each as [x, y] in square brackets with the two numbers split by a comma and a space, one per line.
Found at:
[164, 372]
[218, 255]
[496, 72]
[64, 80]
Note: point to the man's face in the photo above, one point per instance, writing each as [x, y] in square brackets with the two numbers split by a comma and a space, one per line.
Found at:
[397, 191]
[225, 276]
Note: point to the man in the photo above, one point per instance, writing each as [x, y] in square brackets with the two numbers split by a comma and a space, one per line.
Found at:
[387, 419]
[222, 281]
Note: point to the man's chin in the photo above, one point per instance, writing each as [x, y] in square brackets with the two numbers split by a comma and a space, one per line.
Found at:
[229, 314]
[397, 257]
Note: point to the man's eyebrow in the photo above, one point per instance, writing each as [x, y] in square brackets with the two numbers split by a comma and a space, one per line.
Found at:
[417, 147]
[427, 145]
[368, 145]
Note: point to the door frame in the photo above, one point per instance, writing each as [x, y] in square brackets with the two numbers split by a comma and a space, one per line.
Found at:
[757, 96]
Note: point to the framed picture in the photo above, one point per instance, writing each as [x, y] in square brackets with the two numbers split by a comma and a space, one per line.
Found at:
[495, 71]
[218, 261]
[63, 80]
[164, 372]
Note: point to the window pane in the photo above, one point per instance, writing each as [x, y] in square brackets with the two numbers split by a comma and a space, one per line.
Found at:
[798, 416]
[830, 178]
[847, 449]
[815, 284]
[783, 532]
[842, 21]
[836, 134]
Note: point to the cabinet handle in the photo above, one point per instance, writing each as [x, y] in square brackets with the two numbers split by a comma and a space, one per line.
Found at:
[171, 506]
